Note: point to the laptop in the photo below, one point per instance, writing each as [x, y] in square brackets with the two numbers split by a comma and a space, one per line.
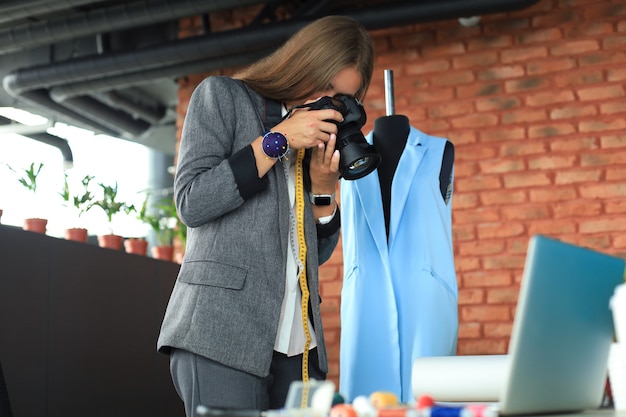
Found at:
[559, 346]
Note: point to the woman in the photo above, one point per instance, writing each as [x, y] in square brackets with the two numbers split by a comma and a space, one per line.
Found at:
[233, 326]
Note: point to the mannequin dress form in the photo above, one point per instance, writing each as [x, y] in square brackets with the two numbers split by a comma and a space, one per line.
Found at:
[389, 137]
[399, 295]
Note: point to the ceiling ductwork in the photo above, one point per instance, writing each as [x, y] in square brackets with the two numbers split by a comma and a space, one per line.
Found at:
[15, 10]
[116, 120]
[106, 83]
[120, 17]
[57, 142]
[41, 99]
[37, 133]
[137, 110]
[87, 89]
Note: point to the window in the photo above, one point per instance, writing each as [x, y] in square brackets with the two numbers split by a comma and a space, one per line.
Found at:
[108, 159]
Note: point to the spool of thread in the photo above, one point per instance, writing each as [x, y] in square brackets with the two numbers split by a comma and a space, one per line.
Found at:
[477, 410]
[338, 399]
[383, 399]
[363, 407]
[343, 410]
[424, 401]
[445, 411]
[482, 410]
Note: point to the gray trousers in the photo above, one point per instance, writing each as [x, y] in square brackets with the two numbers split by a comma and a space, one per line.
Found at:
[201, 381]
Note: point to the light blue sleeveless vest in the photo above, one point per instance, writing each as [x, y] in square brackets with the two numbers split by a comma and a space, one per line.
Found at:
[399, 299]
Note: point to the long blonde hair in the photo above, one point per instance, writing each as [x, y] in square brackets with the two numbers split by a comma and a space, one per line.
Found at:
[310, 59]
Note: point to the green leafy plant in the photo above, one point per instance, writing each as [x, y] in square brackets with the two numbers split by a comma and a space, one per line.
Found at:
[28, 177]
[109, 204]
[82, 201]
[162, 218]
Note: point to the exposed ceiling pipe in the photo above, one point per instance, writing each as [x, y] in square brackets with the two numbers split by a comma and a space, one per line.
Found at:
[147, 76]
[59, 143]
[115, 120]
[151, 114]
[40, 5]
[192, 51]
[238, 41]
[417, 12]
[40, 135]
[168, 53]
[111, 19]
[17, 9]
[83, 110]
[87, 113]
[312, 8]
[22, 129]
[40, 98]
[119, 123]
[9, 5]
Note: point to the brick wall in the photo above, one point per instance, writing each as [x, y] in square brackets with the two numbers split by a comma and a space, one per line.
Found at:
[534, 102]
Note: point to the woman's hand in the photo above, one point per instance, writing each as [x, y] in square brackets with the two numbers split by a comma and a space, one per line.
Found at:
[305, 129]
[308, 128]
[324, 167]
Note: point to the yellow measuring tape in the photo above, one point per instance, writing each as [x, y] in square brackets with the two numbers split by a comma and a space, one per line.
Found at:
[303, 280]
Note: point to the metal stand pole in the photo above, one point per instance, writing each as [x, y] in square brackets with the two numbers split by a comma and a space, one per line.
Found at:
[389, 101]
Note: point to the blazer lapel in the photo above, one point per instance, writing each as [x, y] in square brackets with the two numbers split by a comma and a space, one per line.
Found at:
[404, 176]
[284, 219]
[367, 191]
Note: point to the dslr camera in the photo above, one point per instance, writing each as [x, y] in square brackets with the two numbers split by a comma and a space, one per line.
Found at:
[358, 158]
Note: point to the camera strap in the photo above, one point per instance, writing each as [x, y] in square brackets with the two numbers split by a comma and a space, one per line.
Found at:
[272, 116]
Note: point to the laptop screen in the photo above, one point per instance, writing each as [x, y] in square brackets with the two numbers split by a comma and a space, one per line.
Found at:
[563, 329]
[558, 352]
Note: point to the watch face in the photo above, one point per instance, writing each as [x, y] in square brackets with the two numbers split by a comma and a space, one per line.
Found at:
[275, 145]
[322, 200]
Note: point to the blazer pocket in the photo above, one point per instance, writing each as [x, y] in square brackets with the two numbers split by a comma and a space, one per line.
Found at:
[440, 279]
[213, 274]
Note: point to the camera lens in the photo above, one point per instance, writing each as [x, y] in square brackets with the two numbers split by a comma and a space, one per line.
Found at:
[358, 158]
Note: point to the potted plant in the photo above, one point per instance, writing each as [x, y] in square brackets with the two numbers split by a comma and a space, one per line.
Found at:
[111, 207]
[81, 203]
[28, 178]
[138, 245]
[163, 220]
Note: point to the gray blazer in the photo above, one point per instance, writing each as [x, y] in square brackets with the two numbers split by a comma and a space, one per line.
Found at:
[226, 301]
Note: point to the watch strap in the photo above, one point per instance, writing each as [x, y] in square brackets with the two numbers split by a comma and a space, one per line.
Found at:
[321, 199]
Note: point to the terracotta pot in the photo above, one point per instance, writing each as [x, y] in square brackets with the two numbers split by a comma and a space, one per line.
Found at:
[35, 225]
[136, 246]
[165, 253]
[77, 234]
[110, 241]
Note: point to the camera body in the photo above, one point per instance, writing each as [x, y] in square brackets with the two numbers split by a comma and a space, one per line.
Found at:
[351, 109]
[358, 158]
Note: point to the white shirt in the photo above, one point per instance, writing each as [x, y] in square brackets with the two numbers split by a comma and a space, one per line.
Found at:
[290, 338]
